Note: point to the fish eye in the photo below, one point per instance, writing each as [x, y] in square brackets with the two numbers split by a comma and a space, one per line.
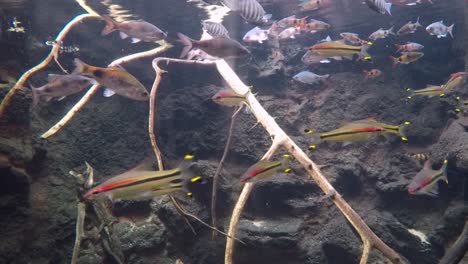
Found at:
[144, 94]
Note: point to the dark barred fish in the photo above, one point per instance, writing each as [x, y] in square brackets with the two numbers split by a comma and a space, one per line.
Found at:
[215, 29]
[250, 10]
[418, 156]
[379, 6]
[219, 46]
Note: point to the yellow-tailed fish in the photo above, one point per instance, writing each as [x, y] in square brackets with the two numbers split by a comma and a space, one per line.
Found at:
[426, 181]
[362, 130]
[115, 79]
[331, 49]
[406, 58]
[265, 169]
[429, 91]
[144, 184]
[228, 97]
[455, 81]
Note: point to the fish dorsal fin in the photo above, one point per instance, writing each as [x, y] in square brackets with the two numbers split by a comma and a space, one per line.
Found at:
[442, 21]
[144, 165]
[427, 165]
[52, 77]
[108, 92]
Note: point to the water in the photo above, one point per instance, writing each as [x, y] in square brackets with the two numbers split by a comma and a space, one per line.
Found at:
[287, 218]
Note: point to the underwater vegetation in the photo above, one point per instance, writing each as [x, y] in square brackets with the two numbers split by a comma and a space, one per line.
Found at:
[233, 131]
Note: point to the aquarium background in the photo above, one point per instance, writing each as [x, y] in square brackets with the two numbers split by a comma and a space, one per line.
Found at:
[286, 219]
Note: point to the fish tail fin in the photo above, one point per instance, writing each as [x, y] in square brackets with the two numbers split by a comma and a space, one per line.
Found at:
[266, 18]
[80, 67]
[110, 25]
[391, 30]
[399, 47]
[417, 23]
[364, 54]
[388, 6]
[393, 61]
[188, 175]
[315, 139]
[444, 170]
[187, 42]
[402, 130]
[450, 30]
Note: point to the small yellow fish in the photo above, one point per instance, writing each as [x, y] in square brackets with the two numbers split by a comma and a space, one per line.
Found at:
[115, 79]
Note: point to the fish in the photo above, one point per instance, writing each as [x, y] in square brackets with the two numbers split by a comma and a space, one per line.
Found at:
[276, 55]
[410, 2]
[215, 29]
[455, 81]
[361, 130]
[372, 73]
[143, 184]
[308, 77]
[250, 10]
[137, 30]
[418, 156]
[406, 58]
[7, 77]
[289, 33]
[409, 46]
[310, 5]
[439, 29]
[381, 33]
[228, 97]
[60, 86]
[256, 35]
[314, 26]
[218, 46]
[198, 54]
[115, 79]
[264, 169]
[339, 49]
[292, 21]
[429, 91]
[379, 6]
[354, 39]
[409, 28]
[426, 181]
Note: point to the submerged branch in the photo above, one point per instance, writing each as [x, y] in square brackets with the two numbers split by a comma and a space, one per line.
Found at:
[218, 170]
[52, 55]
[80, 217]
[458, 250]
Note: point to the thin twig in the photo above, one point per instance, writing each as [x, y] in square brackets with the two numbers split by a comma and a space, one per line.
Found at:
[181, 211]
[80, 217]
[52, 54]
[218, 170]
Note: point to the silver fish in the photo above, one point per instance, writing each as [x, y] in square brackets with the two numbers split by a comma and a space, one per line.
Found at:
[60, 86]
[215, 29]
[138, 30]
[439, 29]
[409, 28]
[256, 34]
[381, 33]
[308, 77]
[250, 10]
[290, 32]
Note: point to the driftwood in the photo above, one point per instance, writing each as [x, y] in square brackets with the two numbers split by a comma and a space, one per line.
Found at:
[280, 138]
[458, 250]
[81, 214]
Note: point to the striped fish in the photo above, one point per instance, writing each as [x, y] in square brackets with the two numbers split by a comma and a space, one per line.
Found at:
[215, 29]
[333, 49]
[426, 181]
[362, 130]
[250, 10]
[379, 6]
[265, 169]
[429, 91]
[418, 156]
[228, 97]
[143, 184]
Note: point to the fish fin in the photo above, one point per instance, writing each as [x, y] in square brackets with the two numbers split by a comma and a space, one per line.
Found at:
[80, 66]
[266, 18]
[347, 143]
[35, 95]
[328, 38]
[432, 191]
[417, 22]
[135, 40]
[123, 35]
[61, 98]
[108, 92]
[399, 47]
[292, 37]
[110, 25]
[444, 171]
[187, 42]
[402, 130]
[391, 30]
[260, 41]
[388, 6]
[51, 77]
[393, 61]
[450, 30]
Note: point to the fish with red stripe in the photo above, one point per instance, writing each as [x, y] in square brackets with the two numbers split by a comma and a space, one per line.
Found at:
[265, 169]
[426, 181]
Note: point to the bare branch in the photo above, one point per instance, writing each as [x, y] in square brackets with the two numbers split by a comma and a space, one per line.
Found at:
[80, 217]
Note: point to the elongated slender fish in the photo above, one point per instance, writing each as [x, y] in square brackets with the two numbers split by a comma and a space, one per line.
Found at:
[426, 181]
[228, 97]
[429, 91]
[60, 86]
[406, 58]
[219, 46]
[409, 28]
[250, 10]
[308, 77]
[361, 130]
[143, 184]
[264, 169]
[379, 6]
[215, 29]
[116, 80]
[439, 29]
[137, 30]
[381, 33]
[338, 48]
